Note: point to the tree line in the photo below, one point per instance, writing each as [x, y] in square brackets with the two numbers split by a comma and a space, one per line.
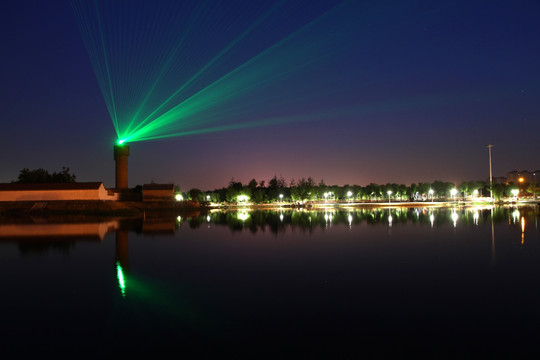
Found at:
[27, 176]
[306, 189]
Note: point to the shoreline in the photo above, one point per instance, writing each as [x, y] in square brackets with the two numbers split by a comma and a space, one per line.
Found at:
[140, 208]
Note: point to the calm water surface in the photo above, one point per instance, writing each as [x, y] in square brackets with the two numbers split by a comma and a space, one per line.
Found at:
[279, 284]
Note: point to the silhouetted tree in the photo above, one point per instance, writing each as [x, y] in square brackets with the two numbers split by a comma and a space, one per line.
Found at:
[42, 176]
[499, 190]
[235, 188]
[252, 185]
[195, 194]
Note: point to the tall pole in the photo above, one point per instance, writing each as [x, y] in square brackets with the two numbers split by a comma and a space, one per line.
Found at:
[490, 174]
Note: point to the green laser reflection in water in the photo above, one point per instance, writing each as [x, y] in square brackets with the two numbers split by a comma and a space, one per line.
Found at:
[144, 298]
[121, 278]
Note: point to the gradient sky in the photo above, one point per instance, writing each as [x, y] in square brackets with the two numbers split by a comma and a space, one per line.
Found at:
[403, 91]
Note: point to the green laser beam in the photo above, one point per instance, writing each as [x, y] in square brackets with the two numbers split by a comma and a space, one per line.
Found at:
[241, 80]
[155, 92]
[204, 68]
[179, 113]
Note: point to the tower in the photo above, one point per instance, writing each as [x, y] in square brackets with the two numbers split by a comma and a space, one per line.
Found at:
[121, 153]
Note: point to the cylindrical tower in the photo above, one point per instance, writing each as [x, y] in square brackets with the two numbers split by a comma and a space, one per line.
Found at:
[121, 153]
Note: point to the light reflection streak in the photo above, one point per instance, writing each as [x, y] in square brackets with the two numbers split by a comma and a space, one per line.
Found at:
[492, 238]
[454, 217]
[522, 231]
[328, 217]
[243, 215]
[515, 216]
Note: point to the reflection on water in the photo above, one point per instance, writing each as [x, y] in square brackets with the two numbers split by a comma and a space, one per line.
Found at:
[304, 220]
[39, 234]
[384, 279]
[42, 230]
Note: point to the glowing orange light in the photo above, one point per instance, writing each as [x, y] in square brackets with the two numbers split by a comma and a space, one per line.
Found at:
[521, 179]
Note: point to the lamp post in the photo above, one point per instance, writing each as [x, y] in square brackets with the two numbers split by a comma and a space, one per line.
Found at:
[389, 193]
[280, 198]
[349, 194]
[431, 194]
[325, 196]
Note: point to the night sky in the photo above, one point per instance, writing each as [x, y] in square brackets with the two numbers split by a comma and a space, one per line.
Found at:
[380, 91]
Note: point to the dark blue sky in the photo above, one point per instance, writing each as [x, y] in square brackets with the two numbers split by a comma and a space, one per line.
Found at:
[409, 92]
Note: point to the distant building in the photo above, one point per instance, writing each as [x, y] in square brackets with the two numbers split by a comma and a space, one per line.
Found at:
[499, 180]
[520, 177]
[158, 192]
[55, 192]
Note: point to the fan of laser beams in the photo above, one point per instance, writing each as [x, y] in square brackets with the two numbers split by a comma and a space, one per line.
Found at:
[179, 68]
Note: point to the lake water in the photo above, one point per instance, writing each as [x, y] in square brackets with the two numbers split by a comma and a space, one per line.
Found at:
[276, 284]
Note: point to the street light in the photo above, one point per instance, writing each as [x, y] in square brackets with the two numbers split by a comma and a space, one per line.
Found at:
[281, 197]
[349, 194]
[325, 196]
[389, 193]
[453, 192]
[242, 198]
[431, 194]
[515, 192]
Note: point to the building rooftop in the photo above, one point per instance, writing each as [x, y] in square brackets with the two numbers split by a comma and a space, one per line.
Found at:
[50, 186]
[158, 187]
